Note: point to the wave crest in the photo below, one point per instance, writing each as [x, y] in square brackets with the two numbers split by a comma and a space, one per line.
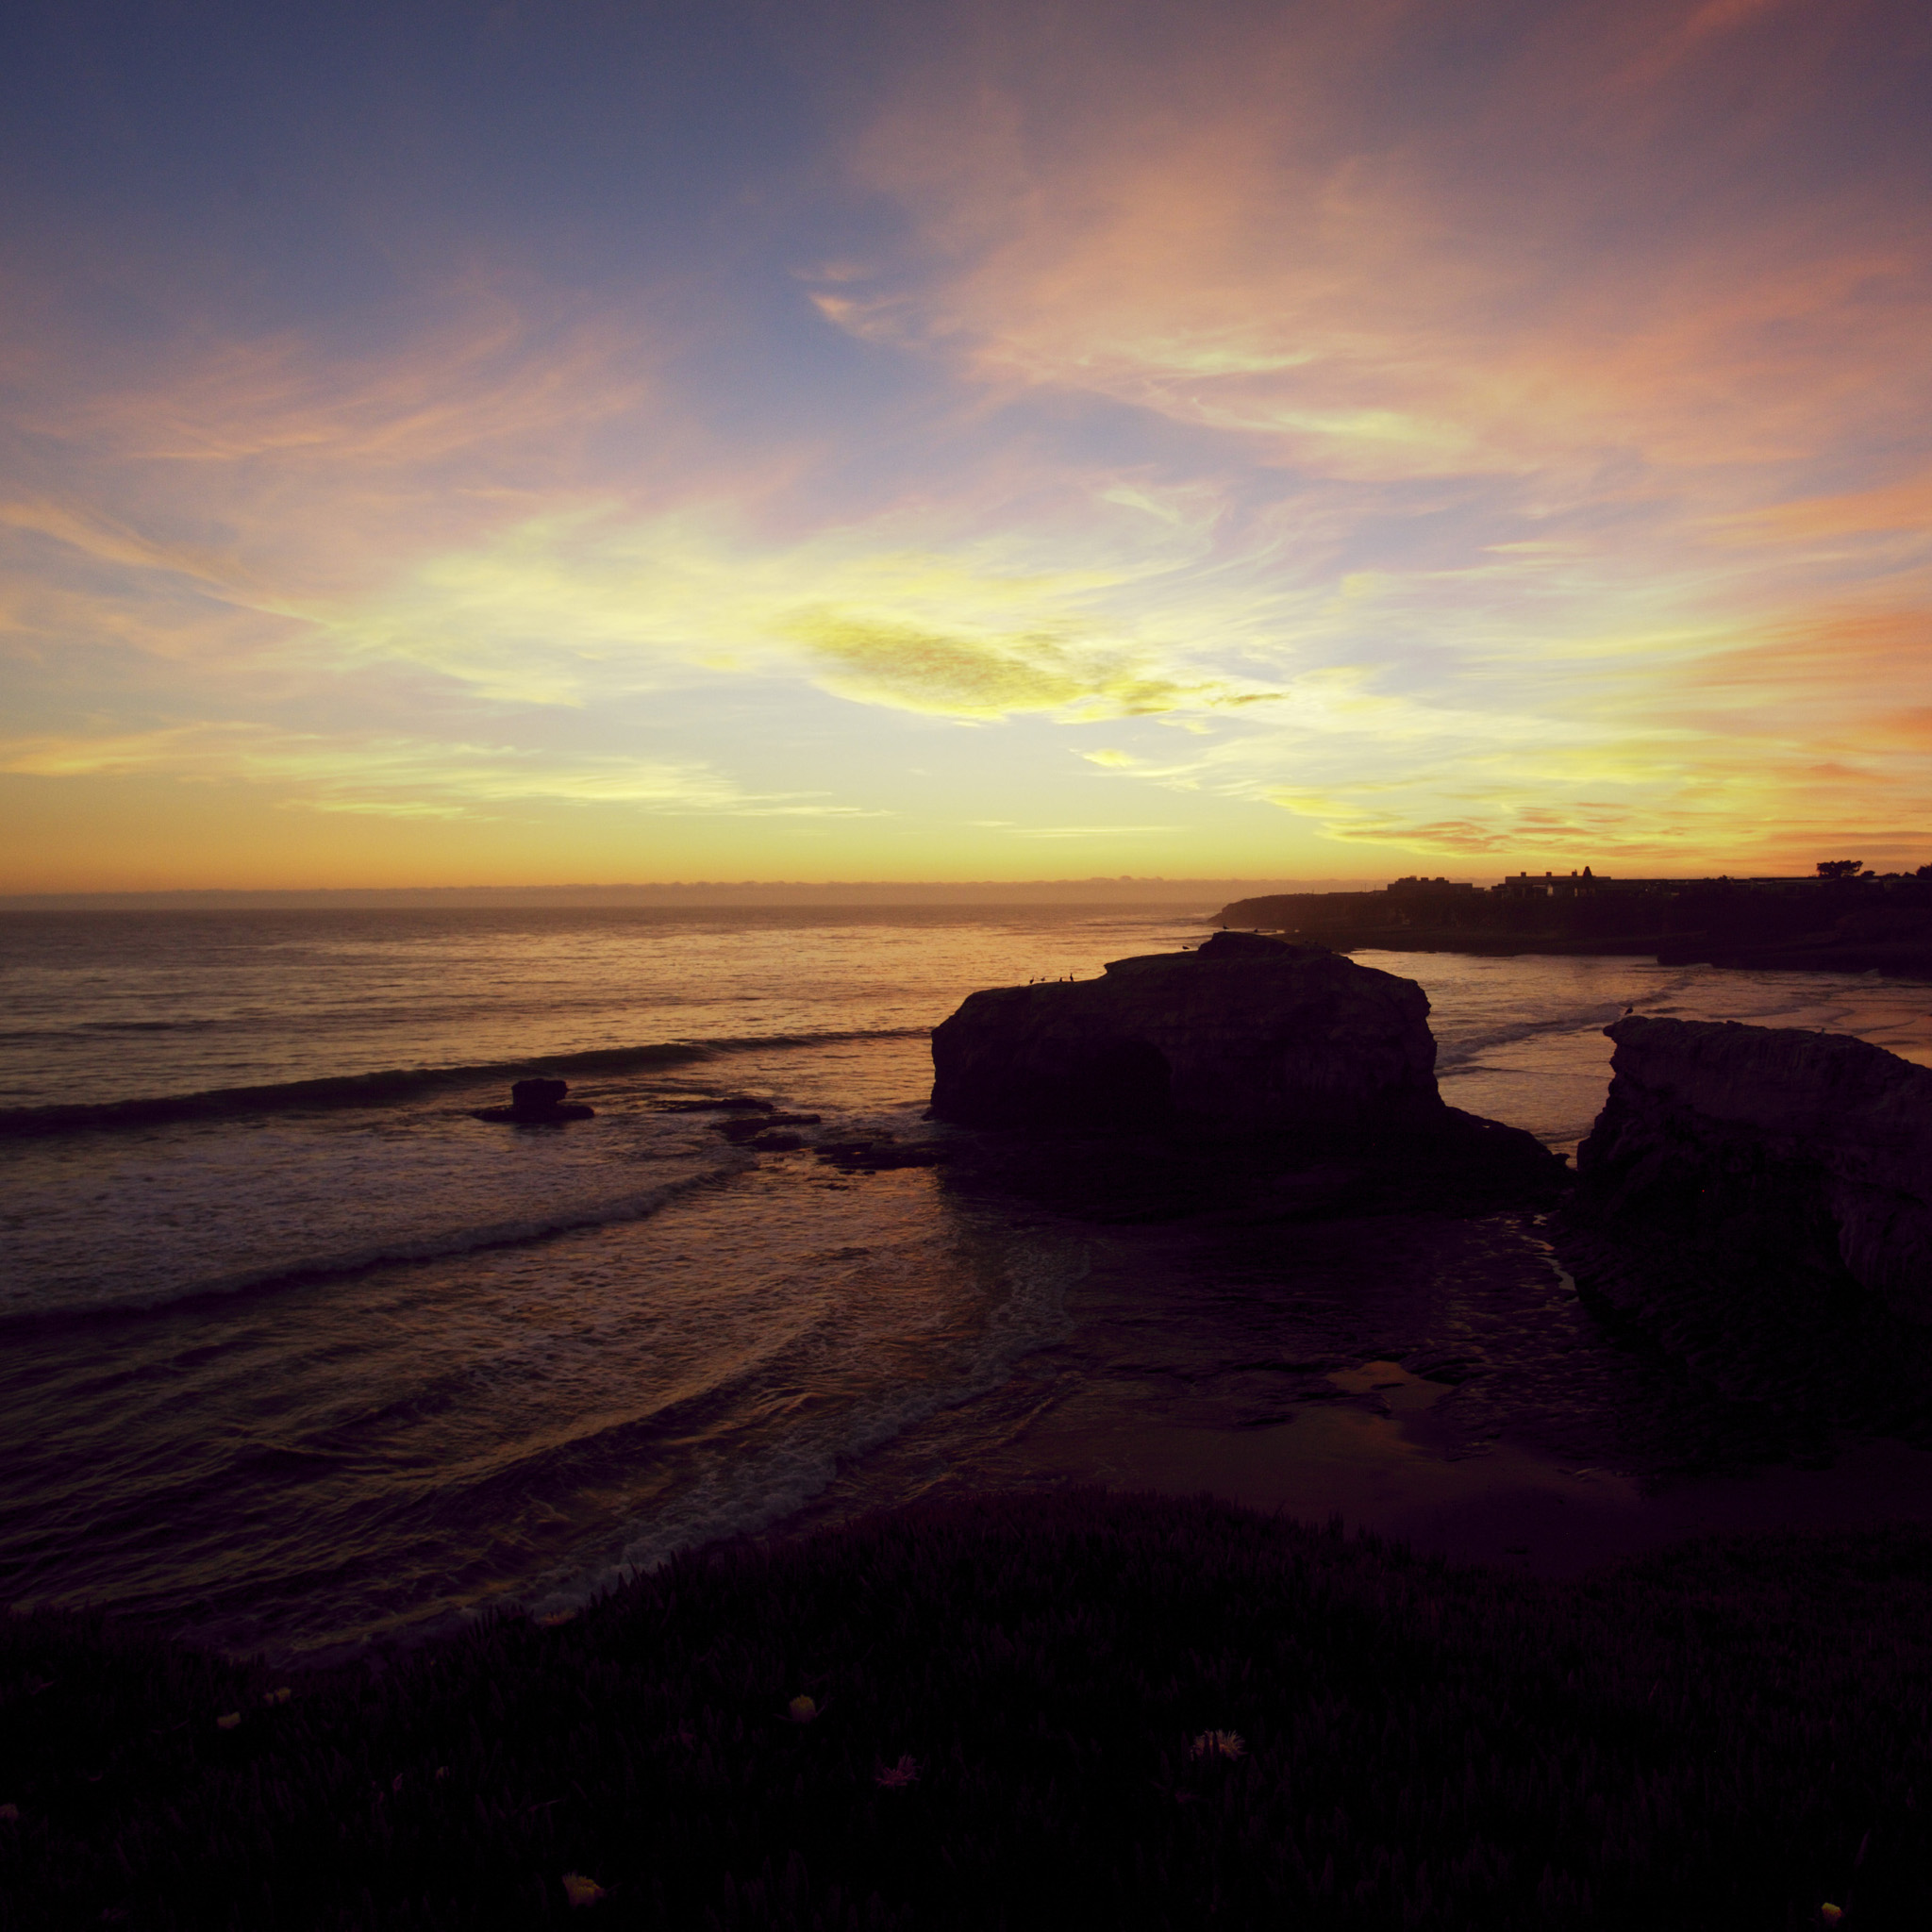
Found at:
[392, 1086]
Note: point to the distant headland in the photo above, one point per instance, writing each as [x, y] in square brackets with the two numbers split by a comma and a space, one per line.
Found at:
[1840, 918]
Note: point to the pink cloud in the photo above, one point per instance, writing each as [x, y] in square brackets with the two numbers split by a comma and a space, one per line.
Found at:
[1247, 234]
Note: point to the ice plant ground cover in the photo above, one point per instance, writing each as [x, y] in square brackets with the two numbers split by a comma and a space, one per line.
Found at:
[1701, 1738]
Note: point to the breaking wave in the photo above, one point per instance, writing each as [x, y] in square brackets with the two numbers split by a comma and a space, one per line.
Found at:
[395, 1086]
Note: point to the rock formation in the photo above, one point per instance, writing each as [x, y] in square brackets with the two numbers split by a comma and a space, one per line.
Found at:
[537, 1103]
[1768, 1149]
[1275, 1082]
[1757, 1203]
[1242, 1031]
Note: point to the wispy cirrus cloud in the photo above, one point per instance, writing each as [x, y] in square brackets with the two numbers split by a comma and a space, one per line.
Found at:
[1250, 234]
[1366, 425]
[1603, 389]
[395, 775]
[884, 613]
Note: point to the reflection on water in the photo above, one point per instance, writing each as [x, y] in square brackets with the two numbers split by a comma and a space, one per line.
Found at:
[297, 1378]
[1521, 1040]
[414, 1440]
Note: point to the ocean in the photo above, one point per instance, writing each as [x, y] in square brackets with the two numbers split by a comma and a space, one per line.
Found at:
[296, 1354]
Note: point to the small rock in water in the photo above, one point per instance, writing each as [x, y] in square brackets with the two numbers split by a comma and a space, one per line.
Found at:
[538, 1103]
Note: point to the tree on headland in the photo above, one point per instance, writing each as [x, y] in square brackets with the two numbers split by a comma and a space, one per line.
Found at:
[1839, 868]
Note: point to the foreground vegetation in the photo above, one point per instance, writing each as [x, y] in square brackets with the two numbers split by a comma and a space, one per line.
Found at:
[1078, 1710]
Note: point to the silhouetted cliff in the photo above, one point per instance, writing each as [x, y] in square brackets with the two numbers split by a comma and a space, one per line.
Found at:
[1283, 1079]
[1758, 1200]
[1844, 924]
[1243, 1032]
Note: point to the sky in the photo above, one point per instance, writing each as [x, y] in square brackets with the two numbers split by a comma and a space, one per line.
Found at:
[451, 443]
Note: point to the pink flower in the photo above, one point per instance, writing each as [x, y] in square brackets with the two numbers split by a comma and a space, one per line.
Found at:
[896, 1777]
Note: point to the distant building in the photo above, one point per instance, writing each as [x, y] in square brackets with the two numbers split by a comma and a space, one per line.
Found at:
[1553, 885]
[1526, 885]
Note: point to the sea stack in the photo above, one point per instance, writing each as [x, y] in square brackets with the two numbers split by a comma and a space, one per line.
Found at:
[1744, 1165]
[537, 1103]
[1243, 1032]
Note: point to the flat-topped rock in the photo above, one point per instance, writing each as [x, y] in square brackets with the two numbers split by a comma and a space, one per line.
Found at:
[1242, 1031]
[1772, 1155]
[538, 1103]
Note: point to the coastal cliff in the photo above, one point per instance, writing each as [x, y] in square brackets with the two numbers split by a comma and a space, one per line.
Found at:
[1812, 1137]
[1242, 1031]
[1758, 1201]
[1250, 1077]
[1836, 924]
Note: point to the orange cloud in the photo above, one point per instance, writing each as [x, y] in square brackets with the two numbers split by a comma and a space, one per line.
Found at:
[1465, 438]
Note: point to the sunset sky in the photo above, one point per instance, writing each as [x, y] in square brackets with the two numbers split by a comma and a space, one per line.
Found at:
[454, 443]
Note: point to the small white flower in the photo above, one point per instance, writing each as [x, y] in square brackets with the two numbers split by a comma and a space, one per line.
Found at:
[1218, 1744]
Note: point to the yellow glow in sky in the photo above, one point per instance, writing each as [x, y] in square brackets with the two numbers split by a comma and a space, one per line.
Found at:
[1316, 443]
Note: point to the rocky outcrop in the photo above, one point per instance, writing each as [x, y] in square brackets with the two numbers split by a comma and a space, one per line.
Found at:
[1768, 1154]
[1242, 1031]
[538, 1103]
[1755, 1204]
[1251, 1078]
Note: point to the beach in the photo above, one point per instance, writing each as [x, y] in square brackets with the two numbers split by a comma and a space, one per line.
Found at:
[304, 1376]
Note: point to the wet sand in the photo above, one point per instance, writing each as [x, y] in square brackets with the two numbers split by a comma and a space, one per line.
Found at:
[1375, 1463]
[1433, 1381]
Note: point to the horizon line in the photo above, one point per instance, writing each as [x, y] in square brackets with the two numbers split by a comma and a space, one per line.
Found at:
[939, 891]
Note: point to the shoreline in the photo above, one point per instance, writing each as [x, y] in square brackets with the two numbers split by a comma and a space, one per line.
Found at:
[1377, 1469]
[1240, 1412]
[1510, 1507]
[1903, 960]
[1551, 1453]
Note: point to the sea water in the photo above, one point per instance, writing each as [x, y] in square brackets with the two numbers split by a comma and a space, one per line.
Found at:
[332, 1358]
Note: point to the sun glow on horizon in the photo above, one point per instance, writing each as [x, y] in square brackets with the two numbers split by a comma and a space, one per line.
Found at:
[1257, 446]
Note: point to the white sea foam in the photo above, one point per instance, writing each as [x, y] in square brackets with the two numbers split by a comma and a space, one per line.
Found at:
[741, 1494]
[194, 1211]
[615, 1361]
[1521, 1039]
